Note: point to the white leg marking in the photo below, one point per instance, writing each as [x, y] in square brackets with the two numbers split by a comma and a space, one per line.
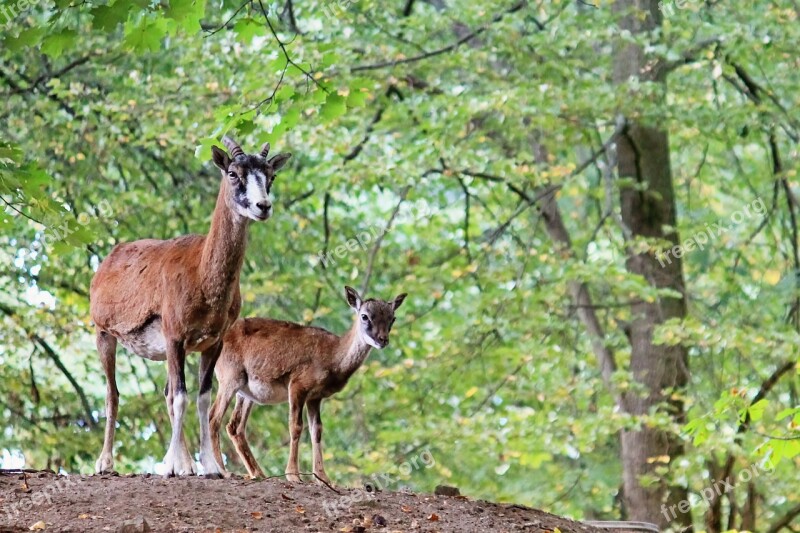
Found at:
[178, 461]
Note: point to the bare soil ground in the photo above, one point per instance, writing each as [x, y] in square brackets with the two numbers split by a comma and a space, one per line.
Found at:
[43, 501]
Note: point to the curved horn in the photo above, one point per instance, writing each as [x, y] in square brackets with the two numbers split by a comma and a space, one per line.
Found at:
[233, 147]
[265, 149]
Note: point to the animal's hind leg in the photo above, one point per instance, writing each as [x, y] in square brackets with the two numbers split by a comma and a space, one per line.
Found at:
[223, 399]
[315, 428]
[237, 431]
[208, 359]
[107, 349]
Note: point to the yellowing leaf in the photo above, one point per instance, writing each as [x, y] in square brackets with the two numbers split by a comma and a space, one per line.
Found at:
[471, 392]
[772, 277]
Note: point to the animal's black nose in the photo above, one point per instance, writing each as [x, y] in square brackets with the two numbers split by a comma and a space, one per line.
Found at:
[264, 206]
[383, 339]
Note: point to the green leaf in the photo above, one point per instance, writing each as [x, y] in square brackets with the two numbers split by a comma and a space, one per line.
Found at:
[785, 413]
[55, 45]
[334, 107]
[25, 39]
[248, 28]
[107, 18]
[357, 99]
[145, 35]
[757, 410]
[187, 13]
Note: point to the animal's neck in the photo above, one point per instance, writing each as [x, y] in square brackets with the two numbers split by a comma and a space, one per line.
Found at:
[353, 350]
[223, 251]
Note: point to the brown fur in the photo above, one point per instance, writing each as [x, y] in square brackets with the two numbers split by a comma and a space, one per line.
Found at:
[164, 299]
[192, 287]
[271, 361]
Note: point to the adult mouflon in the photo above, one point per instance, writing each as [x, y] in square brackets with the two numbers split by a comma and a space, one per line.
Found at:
[164, 299]
[268, 361]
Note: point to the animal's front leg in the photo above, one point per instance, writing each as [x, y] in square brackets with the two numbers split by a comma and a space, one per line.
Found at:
[315, 428]
[297, 398]
[178, 461]
[208, 359]
[169, 396]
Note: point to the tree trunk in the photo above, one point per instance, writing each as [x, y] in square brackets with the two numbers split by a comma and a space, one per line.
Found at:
[648, 206]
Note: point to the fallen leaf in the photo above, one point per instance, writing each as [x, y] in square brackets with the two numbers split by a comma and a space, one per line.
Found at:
[257, 515]
[38, 526]
[285, 497]
[406, 509]
[433, 517]
[299, 509]
[83, 516]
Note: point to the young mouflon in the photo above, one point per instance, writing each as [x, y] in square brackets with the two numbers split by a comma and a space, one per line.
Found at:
[268, 361]
[165, 299]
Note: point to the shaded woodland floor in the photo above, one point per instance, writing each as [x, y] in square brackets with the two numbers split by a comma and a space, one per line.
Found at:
[135, 503]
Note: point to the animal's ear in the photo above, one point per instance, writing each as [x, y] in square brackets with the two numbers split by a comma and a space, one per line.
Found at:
[279, 161]
[265, 150]
[398, 301]
[353, 299]
[220, 157]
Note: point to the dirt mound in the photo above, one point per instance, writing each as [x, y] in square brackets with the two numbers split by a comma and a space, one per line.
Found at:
[44, 501]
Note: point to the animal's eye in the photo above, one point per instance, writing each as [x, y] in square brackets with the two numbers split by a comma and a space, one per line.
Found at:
[364, 318]
[233, 174]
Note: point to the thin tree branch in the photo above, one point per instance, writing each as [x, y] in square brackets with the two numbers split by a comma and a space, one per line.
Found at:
[786, 520]
[377, 246]
[449, 48]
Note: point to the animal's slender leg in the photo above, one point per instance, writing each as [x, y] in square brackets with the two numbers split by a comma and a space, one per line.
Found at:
[297, 400]
[315, 428]
[237, 431]
[208, 359]
[178, 461]
[221, 402]
[168, 396]
[107, 348]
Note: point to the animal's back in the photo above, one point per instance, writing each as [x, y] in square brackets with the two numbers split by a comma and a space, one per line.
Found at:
[272, 348]
[128, 288]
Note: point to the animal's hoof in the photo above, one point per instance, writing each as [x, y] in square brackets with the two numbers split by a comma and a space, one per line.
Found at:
[105, 464]
[293, 478]
[214, 475]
